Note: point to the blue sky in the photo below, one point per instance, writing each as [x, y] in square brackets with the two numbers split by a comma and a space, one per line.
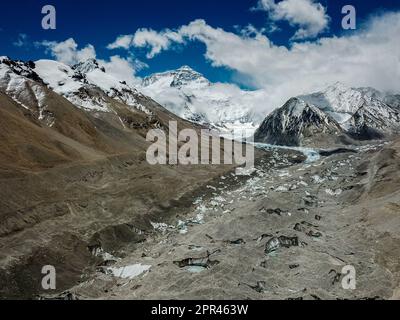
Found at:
[100, 22]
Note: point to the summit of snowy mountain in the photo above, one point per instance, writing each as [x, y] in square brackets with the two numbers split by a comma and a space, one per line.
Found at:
[342, 101]
[193, 97]
[82, 102]
[339, 100]
[185, 68]
[364, 112]
[88, 66]
[299, 123]
[184, 76]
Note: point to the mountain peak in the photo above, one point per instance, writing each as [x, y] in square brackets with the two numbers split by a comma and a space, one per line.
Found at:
[181, 77]
[185, 76]
[337, 98]
[186, 68]
[296, 107]
[88, 66]
[297, 123]
[18, 68]
[338, 85]
[2, 58]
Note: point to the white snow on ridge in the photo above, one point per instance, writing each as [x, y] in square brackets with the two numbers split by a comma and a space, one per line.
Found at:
[57, 75]
[60, 78]
[18, 87]
[336, 98]
[341, 101]
[69, 81]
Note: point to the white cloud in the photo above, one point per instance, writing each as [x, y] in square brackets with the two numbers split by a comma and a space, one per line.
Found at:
[218, 101]
[124, 69]
[123, 41]
[309, 16]
[22, 40]
[368, 57]
[67, 51]
[156, 41]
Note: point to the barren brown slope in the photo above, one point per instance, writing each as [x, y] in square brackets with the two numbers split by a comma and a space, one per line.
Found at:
[73, 180]
[25, 144]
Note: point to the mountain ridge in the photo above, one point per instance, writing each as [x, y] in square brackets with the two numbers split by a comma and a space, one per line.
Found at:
[358, 112]
[298, 123]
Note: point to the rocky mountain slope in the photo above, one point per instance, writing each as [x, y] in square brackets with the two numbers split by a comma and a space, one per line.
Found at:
[299, 123]
[359, 114]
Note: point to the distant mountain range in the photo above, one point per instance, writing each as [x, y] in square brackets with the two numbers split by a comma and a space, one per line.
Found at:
[335, 116]
[338, 115]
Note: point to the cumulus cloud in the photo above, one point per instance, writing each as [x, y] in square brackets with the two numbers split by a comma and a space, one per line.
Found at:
[123, 69]
[123, 41]
[67, 51]
[368, 57]
[309, 16]
[156, 41]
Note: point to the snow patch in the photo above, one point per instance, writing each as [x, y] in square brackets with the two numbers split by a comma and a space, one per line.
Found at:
[331, 192]
[129, 272]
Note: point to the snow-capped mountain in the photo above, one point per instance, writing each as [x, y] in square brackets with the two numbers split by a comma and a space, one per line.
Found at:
[364, 113]
[19, 81]
[341, 101]
[182, 77]
[299, 123]
[393, 100]
[82, 97]
[373, 120]
[337, 100]
[86, 84]
[339, 111]
[188, 94]
[79, 83]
